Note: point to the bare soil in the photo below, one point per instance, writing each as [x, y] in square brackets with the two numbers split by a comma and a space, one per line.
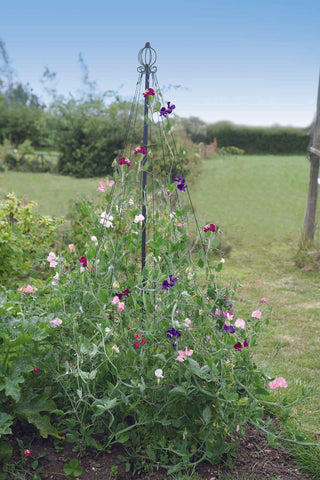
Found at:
[256, 460]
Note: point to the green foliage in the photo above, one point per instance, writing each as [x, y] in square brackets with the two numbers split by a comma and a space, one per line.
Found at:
[72, 469]
[230, 151]
[89, 135]
[24, 237]
[19, 122]
[275, 140]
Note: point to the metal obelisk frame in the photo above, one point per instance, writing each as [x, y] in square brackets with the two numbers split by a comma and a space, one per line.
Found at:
[147, 57]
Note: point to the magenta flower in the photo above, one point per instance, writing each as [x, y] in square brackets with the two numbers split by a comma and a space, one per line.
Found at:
[256, 314]
[150, 92]
[27, 453]
[124, 161]
[169, 283]
[125, 293]
[84, 262]
[139, 150]
[209, 228]
[181, 183]
[278, 383]
[239, 346]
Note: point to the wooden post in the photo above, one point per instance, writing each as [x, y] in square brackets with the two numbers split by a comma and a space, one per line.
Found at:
[309, 225]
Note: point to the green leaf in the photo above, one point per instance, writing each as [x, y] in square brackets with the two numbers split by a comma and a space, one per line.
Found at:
[168, 126]
[5, 451]
[178, 391]
[5, 421]
[207, 414]
[200, 263]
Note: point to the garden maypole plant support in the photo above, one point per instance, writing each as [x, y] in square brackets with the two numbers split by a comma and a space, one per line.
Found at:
[129, 338]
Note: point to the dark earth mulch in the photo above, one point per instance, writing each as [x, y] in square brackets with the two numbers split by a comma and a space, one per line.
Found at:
[256, 460]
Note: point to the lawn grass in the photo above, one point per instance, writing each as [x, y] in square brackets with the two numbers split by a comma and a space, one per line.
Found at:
[259, 202]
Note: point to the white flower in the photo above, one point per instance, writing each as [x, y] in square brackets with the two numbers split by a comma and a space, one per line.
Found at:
[131, 202]
[94, 238]
[115, 349]
[222, 260]
[106, 220]
[138, 218]
[158, 373]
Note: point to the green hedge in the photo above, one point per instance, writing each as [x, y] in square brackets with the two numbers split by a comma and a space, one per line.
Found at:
[274, 140]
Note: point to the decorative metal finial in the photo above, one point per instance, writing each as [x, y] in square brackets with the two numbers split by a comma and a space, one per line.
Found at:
[147, 57]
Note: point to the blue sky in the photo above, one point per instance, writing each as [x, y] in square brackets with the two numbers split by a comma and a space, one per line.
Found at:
[249, 62]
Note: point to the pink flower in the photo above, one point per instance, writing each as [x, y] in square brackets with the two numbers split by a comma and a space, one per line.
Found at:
[183, 354]
[239, 323]
[120, 307]
[27, 453]
[55, 323]
[278, 383]
[150, 91]
[28, 289]
[256, 314]
[263, 300]
[103, 185]
[71, 247]
[36, 369]
[52, 259]
[179, 225]
[187, 321]
[115, 300]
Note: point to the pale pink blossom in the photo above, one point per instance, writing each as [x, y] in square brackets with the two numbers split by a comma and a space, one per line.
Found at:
[71, 247]
[115, 285]
[120, 307]
[116, 349]
[28, 289]
[115, 300]
[138, 218]
[187, 321]
[263, 300]
[256, 314]
[55, 323]
[229, 316]
[278, 383]
[159, 373]
[239, 323]
[106, 220]
[179, 225]
[94, 238]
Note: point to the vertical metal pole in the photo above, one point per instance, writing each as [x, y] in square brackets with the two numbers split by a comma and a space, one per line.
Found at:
[144, 173]
[147, 58]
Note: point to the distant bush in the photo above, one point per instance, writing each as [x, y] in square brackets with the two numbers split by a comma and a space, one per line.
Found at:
[25, 237]
[274, 140]
[230, 151]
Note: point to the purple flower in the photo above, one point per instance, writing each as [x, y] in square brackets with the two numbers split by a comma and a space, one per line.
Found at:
[125, 293]
[175, 344]
[84, 261]
[181, 183]
[166, 111]
[229, 328]
[169, 283]
[172, 332]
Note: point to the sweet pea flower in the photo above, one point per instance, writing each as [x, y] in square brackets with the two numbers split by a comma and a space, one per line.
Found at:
[229, 328]
[172, 332]
[169, 283]
[210, 227]
[124, 161]
[256, 314]
[71, 247]
[115, 300]
[166, 111]
[28, 289]
[159, 373]
[139, 150]
[138, 218]
[106, 220]
[115, 349]
[239, 323]
[263, 300]
[149, 91]
[55, 323]
[120, 307]
[278, 383]
[239, 346]
[181, 183]
[179, 225]
[183, 354]
[84, 262]
[27, 453]
[94, 238]
[103, 185]
[187, 321]
[52, 259]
